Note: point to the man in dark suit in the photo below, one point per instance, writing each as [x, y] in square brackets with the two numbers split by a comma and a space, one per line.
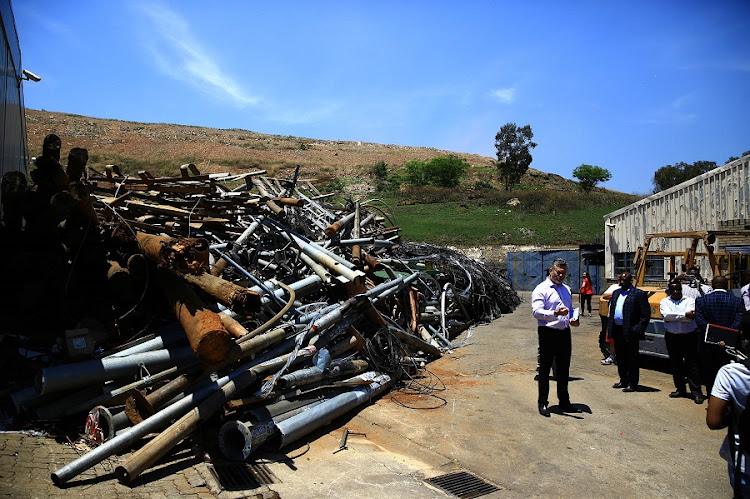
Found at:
[629, 314]
[723, 309]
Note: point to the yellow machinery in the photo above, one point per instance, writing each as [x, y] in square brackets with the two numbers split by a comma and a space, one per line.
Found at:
[720, 263]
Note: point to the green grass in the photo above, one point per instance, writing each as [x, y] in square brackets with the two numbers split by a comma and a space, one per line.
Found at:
[452, 223]
[466, 217]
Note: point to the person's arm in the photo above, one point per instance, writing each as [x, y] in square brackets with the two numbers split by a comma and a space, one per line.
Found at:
[716, 415]
[538, 302]
[740, 309]
[700, 318]
[668, 312]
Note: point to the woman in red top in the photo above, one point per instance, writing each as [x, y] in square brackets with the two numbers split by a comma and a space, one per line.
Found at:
[587, 291]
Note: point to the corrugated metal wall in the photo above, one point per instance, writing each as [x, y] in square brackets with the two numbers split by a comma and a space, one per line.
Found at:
[13, 151]
[698, 204]
[526, 269]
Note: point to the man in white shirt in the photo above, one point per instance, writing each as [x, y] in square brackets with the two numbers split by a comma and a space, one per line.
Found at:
[745, 292]
[728, 400]
[694, 286]
[682, 340]
[552, 306]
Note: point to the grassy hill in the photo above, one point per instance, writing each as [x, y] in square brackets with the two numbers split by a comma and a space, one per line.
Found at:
[550, 211]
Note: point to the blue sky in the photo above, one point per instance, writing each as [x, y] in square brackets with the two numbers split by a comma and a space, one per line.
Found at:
[628, 86]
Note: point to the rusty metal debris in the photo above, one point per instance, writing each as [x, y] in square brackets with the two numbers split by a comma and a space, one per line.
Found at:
[241, 301]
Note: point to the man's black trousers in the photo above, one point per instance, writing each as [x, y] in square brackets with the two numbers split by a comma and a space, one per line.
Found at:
[683, 360]
[628, 366]
[554, 345]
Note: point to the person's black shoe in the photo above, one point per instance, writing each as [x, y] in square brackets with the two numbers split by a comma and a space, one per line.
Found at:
[698, 398]
[678, 394]
[544, 410]
[536, 377]
[630, 389]
[569, 408]
[619, 384]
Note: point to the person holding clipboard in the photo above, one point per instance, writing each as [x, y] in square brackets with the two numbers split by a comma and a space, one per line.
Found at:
[723, 309]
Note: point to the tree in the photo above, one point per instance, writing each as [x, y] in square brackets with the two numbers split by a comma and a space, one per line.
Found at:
[671, 175]
[588, 176]
[513, 156]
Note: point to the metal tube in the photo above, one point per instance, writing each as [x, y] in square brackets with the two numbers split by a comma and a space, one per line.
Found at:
[69, 376]
[321, 414]
[326, 259]
[131, 435]
[147, 455]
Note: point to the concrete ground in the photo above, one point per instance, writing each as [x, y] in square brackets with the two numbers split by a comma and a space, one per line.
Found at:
[640, 444]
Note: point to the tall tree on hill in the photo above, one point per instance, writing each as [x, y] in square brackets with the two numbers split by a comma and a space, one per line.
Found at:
[588, 176]
[671, 175]
[513, 157]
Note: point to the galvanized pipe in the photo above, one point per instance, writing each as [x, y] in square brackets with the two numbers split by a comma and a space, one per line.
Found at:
[69, 376]
[326, 259]
[131, 435]
[321, 414]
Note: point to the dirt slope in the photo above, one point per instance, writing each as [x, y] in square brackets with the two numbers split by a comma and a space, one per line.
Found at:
[156, 146]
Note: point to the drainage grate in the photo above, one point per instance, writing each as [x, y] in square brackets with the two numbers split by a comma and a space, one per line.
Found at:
[462, 484]
[241, 476]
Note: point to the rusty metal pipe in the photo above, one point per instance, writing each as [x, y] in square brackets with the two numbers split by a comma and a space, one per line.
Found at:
[339, 225]
[240, 300]
[181, 254]
[206, 333]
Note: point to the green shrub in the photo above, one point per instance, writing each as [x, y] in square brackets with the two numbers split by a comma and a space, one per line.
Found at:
[380, 171]
[446, 171]
[416, 172]
[483, 184]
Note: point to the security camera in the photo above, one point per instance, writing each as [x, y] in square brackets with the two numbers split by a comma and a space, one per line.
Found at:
[610, 225]
[28, 75]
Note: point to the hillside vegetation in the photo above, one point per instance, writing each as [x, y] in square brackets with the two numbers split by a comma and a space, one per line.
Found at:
[546, 209]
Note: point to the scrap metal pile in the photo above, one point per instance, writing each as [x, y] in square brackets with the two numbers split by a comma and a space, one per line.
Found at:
[241, 301]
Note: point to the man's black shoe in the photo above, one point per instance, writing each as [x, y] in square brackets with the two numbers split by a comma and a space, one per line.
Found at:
[536, 377]
[619, 384]
[677, 394]
[698, 398]
[544, 410]
[569, 408]
[630, 388]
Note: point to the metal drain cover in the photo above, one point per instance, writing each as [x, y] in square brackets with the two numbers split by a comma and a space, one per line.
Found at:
[241, 476]
[462, 484]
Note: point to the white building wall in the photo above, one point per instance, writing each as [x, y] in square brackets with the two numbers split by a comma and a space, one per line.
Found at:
[697, 204]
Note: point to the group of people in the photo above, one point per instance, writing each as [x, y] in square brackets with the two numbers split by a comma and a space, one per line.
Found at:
[688, 310]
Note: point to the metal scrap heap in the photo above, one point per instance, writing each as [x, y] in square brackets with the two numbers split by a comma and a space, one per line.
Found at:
[242, 301]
